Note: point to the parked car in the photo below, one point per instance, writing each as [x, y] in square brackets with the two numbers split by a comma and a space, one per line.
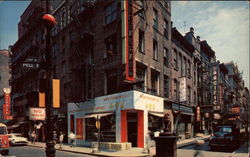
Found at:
[225, 136]
[17, 139]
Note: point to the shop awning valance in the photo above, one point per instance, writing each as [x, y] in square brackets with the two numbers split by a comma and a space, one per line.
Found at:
[182, 109]
[158, 114]
[95, 115]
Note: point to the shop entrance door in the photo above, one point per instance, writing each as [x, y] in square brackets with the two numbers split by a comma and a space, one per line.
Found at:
[132, 127]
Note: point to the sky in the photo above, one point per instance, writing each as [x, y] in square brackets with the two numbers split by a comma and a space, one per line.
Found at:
[223, 24]
[10, 12]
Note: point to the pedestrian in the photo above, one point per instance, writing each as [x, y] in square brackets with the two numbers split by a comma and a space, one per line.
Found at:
[148, 139]
[61, 137]
[54, 137]
[72, 137]
[33, 137]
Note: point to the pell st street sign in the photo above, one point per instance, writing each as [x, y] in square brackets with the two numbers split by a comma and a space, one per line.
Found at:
[30, 63]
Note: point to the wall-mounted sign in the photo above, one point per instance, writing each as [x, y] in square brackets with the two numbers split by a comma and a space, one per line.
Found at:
[183, 89]
[198, 114]
[127, 39]
[7, 103]
[37, 113]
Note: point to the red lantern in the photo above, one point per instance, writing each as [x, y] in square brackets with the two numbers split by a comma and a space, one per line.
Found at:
[49, 20]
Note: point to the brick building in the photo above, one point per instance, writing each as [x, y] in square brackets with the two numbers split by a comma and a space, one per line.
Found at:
[183, 88]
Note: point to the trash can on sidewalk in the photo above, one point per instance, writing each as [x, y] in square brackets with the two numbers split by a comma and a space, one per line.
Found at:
[166, 145]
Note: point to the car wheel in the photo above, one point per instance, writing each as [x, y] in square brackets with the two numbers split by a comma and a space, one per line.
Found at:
[6, 152]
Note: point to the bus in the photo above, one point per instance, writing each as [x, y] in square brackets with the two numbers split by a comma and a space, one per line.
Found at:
[4, 140]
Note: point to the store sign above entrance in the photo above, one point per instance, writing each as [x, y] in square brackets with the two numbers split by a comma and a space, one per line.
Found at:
[131, 100]
[120, 101]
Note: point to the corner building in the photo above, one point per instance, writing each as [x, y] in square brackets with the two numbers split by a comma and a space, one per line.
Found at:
[129, 75]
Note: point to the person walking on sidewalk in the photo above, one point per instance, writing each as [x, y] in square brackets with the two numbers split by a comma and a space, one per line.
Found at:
[33, 137]
[72, 137]
[54, 137]
[61, 137]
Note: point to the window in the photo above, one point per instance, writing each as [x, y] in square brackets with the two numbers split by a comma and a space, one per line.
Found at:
[141, 41]
[179, 61]
[189, 94]
[63, 68]
[189, 69]
[154, 81]
[166, 86]
[70, 12]
[63, 20]
[141, 11]
[53, 50]
[70, 63]
[175, 59]
[165, 57]
[155, 50]
[110, 46]
[165, 28]
[195, 99]
[184, 67]
[175, 95]
[194, 76]
[155, 19]
[63, 45]
[141, 75]
[110, 13]
[111, 78]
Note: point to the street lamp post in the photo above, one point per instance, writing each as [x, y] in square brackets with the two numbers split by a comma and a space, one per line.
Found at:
[49, 22]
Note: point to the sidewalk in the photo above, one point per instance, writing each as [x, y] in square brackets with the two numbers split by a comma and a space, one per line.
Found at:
[135, 152]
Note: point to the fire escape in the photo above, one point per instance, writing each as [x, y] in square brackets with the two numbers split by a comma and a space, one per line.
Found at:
[82, 50]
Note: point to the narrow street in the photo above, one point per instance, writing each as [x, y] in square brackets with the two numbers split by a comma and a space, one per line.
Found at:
[26, 151]
[203, 150]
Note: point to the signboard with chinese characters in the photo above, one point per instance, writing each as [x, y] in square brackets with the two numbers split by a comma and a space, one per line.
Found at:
[37, 113]
[123, 101]
[127, 39]
[7, 102]
[183, 89]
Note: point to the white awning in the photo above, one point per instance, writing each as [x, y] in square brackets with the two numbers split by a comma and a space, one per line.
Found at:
[98, 114]
[158, 114]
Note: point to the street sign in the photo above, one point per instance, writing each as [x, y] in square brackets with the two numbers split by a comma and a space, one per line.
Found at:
[37, 113]
[31, 65]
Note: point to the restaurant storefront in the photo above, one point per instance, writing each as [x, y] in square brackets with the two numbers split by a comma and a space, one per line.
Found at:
[183, 119]
[124, 117]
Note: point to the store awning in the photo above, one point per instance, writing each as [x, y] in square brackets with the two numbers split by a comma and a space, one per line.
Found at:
[158, 114]
[178, 108]
[98, 114]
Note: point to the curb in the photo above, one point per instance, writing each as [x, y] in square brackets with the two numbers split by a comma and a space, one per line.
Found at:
[192, 142]
[104, 155]
[93, 154]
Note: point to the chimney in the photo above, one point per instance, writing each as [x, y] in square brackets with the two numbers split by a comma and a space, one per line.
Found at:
[198, 38]
[192, 29]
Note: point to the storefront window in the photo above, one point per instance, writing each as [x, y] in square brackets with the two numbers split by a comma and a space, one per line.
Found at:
[107, 129]
[155, 123]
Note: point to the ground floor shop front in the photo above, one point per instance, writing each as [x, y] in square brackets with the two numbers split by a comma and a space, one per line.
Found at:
[127, 117]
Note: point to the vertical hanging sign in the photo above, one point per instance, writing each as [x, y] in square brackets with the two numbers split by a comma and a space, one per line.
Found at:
[127, 39]
[6, 105]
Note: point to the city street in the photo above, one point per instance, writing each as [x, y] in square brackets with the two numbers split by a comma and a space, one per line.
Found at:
[26, 151]
[203, 150]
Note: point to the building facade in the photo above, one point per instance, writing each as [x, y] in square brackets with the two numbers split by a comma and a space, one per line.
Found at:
[183, 90]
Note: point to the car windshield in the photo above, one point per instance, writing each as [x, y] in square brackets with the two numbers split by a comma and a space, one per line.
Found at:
[223, 129]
